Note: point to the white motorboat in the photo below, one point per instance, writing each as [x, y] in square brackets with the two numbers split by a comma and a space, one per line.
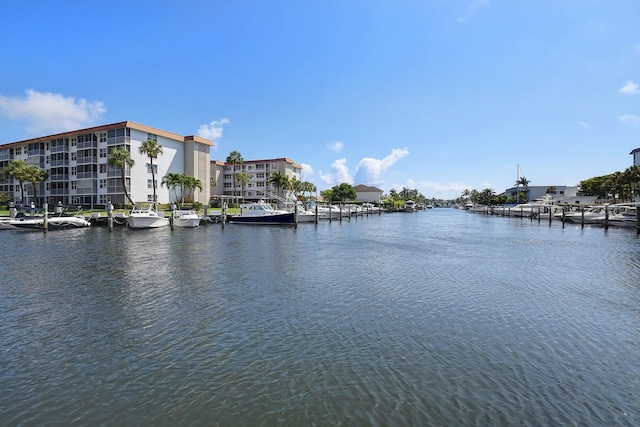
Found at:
[146, 217]
[262, 213]
[409, 206]
[621, 216]
[310, 215]
[187, 218]
[57, 222]
[591, 215]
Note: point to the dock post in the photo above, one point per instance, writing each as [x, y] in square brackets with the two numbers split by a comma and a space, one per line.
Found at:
[172, 217]
[637, 219]
[316, 214]
[224, 213]
[606, 217]
[295, 216]
[45, 221]
[330, 214]
[582, 217]
[110, 215]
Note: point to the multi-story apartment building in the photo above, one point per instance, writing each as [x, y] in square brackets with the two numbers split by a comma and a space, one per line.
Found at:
[78, 173]
[258, 172]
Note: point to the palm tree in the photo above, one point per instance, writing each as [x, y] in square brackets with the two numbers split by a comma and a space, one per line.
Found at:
[279, 181]
[191, 183]
[34, 175]
[234, 158]
[120, 158]
[242, 179]
[152, 149]
[16, 169]
[631, 177]
[525, 183]
[173, 181]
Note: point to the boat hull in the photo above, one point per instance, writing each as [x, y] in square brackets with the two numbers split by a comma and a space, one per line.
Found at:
[187, 222]
[53, 223]
[146, 222]
[276, 219]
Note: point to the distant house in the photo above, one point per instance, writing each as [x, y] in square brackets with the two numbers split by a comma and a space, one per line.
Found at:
[368, 194]
[636, 156]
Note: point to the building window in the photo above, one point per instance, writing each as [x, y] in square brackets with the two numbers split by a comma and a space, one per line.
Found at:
[103, 168]
[102, 136]
[103, 152]
[74, 156]
[73, 185]
[155, 168]
[74, 170]
[260, 175]
[103, 183]
[18, 151]
[152, 137]
[259, 184]
[150, 198]
[150, 183]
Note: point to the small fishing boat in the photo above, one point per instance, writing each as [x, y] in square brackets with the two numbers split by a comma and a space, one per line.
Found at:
[146, 217]
[187, 218]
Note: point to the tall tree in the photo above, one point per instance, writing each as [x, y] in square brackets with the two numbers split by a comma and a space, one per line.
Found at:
[191, 183]
[120, 158]
[16, 169]
[279, 181]
[242, 178]
[152, 149]
[35, 175]
[172, 181]
[234, 158]
[525, 183]
[344, 192]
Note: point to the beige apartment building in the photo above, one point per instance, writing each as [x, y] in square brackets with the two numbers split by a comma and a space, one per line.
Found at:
[78, 173]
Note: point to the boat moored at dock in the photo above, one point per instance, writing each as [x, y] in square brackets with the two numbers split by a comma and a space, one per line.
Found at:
[146, 217]
[262, 213]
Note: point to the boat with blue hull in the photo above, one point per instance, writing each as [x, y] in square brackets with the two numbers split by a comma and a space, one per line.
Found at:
[262, 214]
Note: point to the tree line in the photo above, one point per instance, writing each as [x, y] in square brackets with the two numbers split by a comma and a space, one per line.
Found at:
[616, 187]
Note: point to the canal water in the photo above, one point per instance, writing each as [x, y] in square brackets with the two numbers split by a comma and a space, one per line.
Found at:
[435, 318]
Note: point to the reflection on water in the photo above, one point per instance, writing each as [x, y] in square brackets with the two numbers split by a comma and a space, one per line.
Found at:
[434, 318]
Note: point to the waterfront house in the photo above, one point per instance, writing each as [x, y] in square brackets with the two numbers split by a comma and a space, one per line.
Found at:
[369, 194]
[636, 156]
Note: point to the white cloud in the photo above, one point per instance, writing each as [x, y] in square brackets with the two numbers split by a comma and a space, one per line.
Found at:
[629, 119]
[369, 169]
[47, 112]
[213, 130]
[584, 125]
[307, 171]
[472, 9]
[631, 88]
[339, 173]
[336, 146]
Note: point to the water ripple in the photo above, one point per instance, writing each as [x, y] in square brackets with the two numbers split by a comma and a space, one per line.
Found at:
[434, 318]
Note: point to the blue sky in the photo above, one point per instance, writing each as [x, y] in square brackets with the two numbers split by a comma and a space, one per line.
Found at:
[434, 95]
